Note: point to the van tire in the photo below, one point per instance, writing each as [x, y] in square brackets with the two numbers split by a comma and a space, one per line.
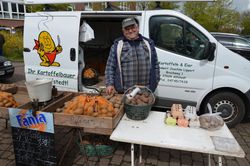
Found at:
[230, 104]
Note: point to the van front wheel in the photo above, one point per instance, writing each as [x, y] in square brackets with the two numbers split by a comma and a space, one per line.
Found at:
[230, 105]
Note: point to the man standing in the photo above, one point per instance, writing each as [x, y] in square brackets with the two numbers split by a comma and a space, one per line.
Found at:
[132, 61]
[1, 44]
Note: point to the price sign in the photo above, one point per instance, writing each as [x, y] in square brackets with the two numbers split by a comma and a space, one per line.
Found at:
[33, 137]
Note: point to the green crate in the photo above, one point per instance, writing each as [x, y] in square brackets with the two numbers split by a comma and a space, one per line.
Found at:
[96, 150]
[97, 145]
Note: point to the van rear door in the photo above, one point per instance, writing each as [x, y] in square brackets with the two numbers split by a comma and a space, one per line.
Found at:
[51, 48]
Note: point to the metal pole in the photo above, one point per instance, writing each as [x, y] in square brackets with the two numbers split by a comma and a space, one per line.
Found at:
[140, 155]
[219, 161]
[132, 155]
[209, 160]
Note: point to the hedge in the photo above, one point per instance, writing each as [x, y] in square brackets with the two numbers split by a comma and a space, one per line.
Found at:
[13, 46]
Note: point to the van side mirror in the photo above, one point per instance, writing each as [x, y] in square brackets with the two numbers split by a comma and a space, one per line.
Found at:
[209, 51]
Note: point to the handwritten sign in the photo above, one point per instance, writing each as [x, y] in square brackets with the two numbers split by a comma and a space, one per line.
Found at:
[33, 137]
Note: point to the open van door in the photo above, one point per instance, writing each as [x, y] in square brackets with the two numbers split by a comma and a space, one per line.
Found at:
[51, 48]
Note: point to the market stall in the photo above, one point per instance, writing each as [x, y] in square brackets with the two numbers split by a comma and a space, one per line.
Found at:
[67, 109]
[154, 132]
[104, 114]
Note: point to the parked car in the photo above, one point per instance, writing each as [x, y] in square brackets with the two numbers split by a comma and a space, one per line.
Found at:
[6, 68]
[234, 42]
[247, 37]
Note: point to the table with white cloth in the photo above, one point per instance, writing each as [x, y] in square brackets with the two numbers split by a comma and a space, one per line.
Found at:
[154, 132]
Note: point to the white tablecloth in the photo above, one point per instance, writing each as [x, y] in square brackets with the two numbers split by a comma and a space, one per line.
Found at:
[154, 132]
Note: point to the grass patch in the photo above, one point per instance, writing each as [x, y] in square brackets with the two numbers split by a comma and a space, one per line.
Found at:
[13, 46]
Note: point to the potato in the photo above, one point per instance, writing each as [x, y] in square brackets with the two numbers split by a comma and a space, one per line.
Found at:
[109, 114]
[95, 114]
[144, 99]
[103, 111]
[146, 94]
[139, 102]
[112, 100]
[150, 99]
[78, 111]
[116, 105]
[8, 104]
[116, 110]
[89, 111]
[211, 121]
[5, 101]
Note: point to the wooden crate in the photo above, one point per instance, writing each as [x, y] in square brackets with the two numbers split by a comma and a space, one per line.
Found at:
[12, 89]
[51, 105]
[21, 97]
[90, 124]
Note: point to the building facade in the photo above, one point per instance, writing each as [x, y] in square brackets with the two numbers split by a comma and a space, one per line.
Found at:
[12, 13]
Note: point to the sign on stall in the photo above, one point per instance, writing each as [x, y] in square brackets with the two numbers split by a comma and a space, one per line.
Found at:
[33, 137]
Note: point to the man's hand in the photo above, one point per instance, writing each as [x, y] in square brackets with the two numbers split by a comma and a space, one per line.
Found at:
[110, 90]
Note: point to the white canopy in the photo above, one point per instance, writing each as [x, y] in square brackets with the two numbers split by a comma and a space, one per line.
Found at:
[90, 1]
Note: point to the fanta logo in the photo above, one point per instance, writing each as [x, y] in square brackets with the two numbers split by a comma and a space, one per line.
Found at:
[28, 121]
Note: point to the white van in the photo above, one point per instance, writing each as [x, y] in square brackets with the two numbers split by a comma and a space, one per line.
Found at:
[195, 69]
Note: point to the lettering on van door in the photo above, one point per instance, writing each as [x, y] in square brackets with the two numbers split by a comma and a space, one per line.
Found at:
[64, 77]
[174, 72]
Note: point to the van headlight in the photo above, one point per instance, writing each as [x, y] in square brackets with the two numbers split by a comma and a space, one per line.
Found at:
[7, 63]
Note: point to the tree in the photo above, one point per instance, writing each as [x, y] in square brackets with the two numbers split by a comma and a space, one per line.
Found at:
[216, 16]
[197, 11]
[245, 23]
[224, 18]
[156, 4]
[169, 5]
[97, 6]
[35, 8]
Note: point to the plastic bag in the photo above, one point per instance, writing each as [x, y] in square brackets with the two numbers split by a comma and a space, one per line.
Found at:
[86, 32]
[211, 121]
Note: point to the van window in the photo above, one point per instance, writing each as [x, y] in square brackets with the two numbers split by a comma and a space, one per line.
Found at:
[177, 36]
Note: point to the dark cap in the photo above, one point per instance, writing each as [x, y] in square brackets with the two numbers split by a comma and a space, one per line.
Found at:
[128, 21]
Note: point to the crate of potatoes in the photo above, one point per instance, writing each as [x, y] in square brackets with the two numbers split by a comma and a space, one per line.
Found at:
[12, 100]
[10, 88]
[95, 113]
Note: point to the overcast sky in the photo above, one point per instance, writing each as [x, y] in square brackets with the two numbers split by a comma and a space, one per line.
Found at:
[241, 5]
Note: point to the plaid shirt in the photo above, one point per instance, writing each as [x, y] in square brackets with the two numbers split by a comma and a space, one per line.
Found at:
[135, 63]
[136, 68]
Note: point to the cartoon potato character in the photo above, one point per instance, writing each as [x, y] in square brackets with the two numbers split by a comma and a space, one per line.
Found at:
[47, 49]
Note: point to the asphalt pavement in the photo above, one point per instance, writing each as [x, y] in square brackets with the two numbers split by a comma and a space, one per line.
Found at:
[152, 156]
